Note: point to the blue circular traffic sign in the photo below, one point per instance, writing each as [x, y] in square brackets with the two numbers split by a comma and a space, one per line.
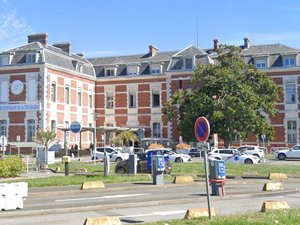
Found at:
[75, 127]
[202, 129]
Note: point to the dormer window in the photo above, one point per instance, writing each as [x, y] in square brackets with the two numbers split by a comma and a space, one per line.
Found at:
[31, 58]
[260, 63]
[188, 63]
[156, 69]
[5, 60]
[110, 72]
[133, 70]
[79, 68]
[289, 60]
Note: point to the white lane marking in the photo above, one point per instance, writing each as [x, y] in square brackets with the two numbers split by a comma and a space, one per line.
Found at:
[163, 213]
[95, 198]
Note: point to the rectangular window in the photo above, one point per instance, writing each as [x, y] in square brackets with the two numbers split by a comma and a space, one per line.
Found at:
[261, 63]
[155, 99]
[53, 92]
[180, 84]
[291, 61]
[110, 72]
[31, 58]
[3, 91]
[67, 124]
[132, 70]
[79, 68]
[32, 90]
[3, 128]
[109, 100]
[53, 125]
[292, 131]
[290, 91]
[189, 63]
[4, 60]
[132, 99]
[30, 130]
[156, 130]
[90, 98]
[79, 96]
[67, 94]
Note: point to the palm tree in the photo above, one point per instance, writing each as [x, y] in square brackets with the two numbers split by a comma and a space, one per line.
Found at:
[45, 137]
[127, 136]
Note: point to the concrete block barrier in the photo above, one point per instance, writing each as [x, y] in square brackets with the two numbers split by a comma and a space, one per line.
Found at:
[105, 220]
[271, 205]
[183, 179]
[277, 176]
[199, 212]
[273, 187]
[92, 184]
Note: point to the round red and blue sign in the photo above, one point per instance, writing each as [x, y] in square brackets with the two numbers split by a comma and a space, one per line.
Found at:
[202, 129]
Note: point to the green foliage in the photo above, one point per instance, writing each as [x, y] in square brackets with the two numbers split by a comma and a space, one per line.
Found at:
[127, 136]
[234, 96]
[11, 167]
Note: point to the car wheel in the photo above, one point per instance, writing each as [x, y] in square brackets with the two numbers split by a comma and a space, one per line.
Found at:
[178, 160]
[118, 159]
[248, 161]
[120, 170]
[281, 156]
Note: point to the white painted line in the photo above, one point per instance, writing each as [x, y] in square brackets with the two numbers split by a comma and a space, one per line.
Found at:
[163, 213]
[95, 198]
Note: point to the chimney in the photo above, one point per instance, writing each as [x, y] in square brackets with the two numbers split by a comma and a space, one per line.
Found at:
[246, 42]
[152, 50]
[42, 38]
[65, 46]
[216, 44]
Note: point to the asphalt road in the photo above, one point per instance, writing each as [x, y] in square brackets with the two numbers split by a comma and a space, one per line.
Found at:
[143, 202]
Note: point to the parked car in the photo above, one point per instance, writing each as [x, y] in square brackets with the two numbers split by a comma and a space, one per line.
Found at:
[115, 154]
[172, 156]
[194, 152]
[290, 153]
[122, 167]
[233, 156]
[252, 150]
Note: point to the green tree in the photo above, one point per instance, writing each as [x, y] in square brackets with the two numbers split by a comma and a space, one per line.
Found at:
[127, 136]
[234, 96]
[45, 137]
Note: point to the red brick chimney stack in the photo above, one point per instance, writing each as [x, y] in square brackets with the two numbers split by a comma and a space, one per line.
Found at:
[152, 50]
[42, 38]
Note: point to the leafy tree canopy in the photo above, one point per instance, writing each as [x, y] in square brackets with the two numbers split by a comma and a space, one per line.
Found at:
[234, 96]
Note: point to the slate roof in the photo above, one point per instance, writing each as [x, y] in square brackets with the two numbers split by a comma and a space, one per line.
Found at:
[269, 49]
[51, 55]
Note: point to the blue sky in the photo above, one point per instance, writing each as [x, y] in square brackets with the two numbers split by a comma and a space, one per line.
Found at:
[123, 27]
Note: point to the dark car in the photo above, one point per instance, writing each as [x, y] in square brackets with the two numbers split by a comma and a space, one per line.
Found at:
[194, 152]
[122, 167]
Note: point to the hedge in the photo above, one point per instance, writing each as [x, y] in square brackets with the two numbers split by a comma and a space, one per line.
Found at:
[11, 167]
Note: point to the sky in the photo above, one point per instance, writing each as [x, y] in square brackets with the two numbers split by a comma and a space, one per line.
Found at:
[100, 28]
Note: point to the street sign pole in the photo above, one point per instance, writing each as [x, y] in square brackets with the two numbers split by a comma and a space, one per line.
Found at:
[207, 183]
[202, 131]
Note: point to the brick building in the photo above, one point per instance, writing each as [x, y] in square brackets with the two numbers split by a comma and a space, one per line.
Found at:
[47, 86]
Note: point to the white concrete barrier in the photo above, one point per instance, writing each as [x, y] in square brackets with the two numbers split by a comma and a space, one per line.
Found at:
[12, 195]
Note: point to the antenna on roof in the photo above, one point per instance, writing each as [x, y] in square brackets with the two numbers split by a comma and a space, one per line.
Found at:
[197, 30]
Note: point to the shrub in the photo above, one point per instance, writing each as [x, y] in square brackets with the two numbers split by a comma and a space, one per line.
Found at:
[11, 167]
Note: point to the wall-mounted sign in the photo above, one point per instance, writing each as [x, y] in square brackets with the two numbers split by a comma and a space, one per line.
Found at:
[20, 107]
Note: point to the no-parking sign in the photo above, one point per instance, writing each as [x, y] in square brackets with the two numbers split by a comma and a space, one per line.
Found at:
[202, 129]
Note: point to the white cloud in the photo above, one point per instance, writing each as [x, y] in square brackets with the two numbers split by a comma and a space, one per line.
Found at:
[13, 28]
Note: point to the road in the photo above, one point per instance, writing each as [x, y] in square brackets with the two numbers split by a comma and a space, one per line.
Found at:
[142, 202]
